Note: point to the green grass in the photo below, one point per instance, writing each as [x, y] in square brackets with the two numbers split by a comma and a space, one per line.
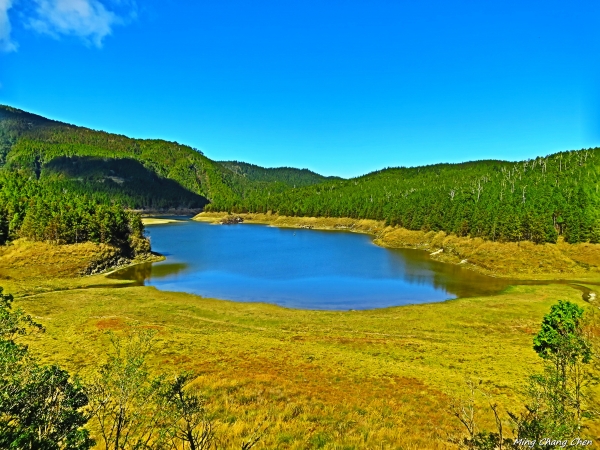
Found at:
[308, 379]
[362, 379]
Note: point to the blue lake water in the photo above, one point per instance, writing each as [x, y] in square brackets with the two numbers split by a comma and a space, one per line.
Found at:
[299, 268]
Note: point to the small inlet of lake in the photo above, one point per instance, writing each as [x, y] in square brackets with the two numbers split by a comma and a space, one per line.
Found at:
[297, 268]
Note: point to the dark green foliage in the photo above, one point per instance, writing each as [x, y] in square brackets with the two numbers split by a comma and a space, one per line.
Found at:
[287, 175]
[561, 338]
[125, 181]
[13, 123]
[36, 142]
[137, 173]
[40, 406]
[535, 200]
[45, 211]
[44, 412]
[140, 174]
[54, 207]
[13, 322]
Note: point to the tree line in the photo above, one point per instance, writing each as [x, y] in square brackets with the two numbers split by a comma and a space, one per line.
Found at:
[538, 199]
[289, 176]
[41, 211]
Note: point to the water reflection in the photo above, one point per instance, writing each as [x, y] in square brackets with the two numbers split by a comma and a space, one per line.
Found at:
[418, 267]
[146, 271]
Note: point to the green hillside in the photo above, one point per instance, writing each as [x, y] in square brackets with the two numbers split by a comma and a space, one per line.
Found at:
[42, 211]
[139, 173]
[287, 175]
[31, 143]
[124, 180]
[538, 199]
[67, 184]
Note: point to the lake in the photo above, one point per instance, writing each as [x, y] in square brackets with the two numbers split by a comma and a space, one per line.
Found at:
[298, 268]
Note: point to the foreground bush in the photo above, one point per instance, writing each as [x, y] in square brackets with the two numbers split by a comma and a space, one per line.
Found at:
[558, 401]
[41, 407]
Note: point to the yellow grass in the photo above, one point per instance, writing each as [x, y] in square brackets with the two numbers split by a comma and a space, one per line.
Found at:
[30, 268]
[320, 223]
[310, 379]
[363, 379]
[157, 221]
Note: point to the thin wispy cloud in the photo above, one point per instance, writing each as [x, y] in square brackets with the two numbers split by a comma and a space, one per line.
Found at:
[6, 44]
[89, 20]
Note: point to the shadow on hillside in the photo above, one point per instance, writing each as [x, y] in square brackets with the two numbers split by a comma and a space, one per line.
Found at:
[122, 179]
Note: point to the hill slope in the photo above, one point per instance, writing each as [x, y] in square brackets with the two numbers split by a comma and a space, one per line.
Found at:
[140, 173]
[537, 200]
[287, 175]
[31, 143]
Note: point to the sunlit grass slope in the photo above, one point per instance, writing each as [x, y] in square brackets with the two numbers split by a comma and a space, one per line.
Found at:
[29, 268]
[311, 379]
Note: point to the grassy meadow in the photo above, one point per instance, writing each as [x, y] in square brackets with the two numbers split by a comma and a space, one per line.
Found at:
[378, 379]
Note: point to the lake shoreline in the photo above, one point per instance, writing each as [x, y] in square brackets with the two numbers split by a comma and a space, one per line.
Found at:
[412, 359]
[518, 260]
[158, 221]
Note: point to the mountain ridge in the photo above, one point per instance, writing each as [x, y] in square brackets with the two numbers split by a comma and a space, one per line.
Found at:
[29, 141]
[536, 199]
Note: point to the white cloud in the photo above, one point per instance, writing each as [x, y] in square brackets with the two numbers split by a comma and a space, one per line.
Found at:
[87, 19]
[6, 44]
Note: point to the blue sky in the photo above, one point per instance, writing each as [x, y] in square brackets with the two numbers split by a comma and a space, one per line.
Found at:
[340, 87]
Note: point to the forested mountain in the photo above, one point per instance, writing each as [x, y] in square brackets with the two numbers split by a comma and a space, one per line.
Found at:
[64, 183]
[139, 173]
[287, 175]
[32, 142]
[67, 184]
[41, 209]
[124, 180]
[538, 199]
